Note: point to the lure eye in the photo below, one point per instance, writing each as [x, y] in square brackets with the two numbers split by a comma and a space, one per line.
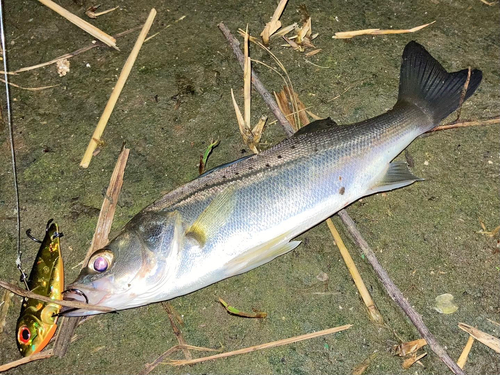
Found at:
[101, 260]
[24, 335]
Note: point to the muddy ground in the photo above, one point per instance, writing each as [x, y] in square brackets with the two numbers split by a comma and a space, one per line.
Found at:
[177, 99]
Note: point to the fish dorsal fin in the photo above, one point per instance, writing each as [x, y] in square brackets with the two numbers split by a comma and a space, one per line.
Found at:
[395, 176]
[213, 216]
[259, 255]
[325, 123]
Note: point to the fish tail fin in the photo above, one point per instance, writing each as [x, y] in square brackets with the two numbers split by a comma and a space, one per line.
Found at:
[425, 83]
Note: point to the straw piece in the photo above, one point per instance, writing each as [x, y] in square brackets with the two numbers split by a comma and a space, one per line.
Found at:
[34, 357]
[84, 25]
[26, 293]
[109, 204]
[273, 344]
[29, 88]
[273, 25]
[407, 363]
[351, 34]
[490, 341]
[465, 353]
[363, 291]
[94, 140]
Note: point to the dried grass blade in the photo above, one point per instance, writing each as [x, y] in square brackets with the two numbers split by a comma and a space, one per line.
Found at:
[84, 25]
[273, 25]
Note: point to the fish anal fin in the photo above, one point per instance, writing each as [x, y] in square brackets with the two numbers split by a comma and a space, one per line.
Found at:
[257, 256]
[213, 217]
[395, 176]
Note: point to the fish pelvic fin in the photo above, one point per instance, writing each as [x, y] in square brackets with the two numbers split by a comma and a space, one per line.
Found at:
[397, 175]
[425, 83]
[259, 255]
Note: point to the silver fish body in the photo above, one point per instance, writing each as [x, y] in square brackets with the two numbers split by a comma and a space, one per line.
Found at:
[244, 214]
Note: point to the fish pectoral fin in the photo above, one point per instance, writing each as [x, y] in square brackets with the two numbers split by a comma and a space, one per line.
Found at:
[395, 176]
[257, 256]
[325, 123]
[213, 216]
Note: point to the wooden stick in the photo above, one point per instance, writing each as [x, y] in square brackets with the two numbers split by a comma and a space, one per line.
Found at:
[177, 332]
[465, 353]
[273, 344]
[235, 45]
[26, 293]
[397, 296]
[84, 25]
[363, 291]
[94, 141]
[68, 325]
[391, 288]
[34, 357]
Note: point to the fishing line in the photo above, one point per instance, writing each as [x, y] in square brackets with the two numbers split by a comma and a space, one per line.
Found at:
[12, 152]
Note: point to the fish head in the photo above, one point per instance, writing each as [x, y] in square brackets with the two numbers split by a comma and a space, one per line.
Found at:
[133, 266]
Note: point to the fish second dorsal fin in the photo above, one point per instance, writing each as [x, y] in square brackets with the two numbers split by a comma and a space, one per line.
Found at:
[325, 123]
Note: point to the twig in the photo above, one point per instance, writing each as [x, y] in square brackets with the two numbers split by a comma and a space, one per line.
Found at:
[84, 25]
[365, 295]
[26, 293]
[28, 88]
[177, 332]
[391, 288]
[397, 296]
[68, 324]
[94, 140]
[35, 357]
[464, 124]
[273, 344]
[256, 81]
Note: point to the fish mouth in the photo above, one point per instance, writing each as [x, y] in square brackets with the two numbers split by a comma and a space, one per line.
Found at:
[75, 294]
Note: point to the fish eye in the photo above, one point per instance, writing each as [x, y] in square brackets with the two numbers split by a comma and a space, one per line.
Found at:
[101, 260]
[24, 335]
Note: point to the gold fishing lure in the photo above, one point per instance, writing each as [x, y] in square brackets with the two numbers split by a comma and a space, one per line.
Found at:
[37, 321]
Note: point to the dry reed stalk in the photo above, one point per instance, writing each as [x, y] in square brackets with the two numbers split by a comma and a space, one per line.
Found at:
[466, 124]
[94, 141]
[109, 204]
[268, 345]
[84, 25]
[465, 353]
[352, 34]
[373, 311]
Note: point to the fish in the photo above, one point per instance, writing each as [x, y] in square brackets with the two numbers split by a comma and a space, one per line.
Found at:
[37, 320]
[246, 213]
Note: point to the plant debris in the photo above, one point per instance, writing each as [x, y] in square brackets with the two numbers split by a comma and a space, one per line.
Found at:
[234, 311]
[352, 34]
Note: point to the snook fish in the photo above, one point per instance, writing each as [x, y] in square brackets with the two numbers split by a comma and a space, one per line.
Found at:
[246, 213]
[37, 321]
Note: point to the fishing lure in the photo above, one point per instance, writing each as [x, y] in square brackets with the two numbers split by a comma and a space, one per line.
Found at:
[37, 321]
